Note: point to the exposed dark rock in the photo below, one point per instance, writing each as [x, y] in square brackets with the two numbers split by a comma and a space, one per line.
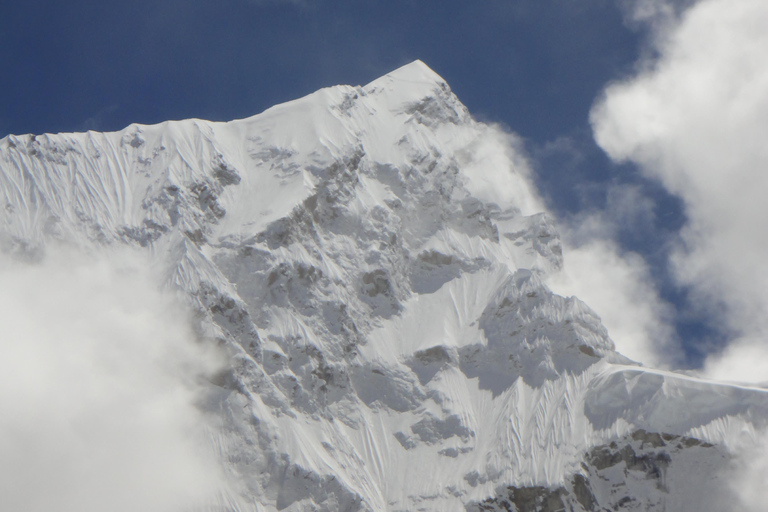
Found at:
[431, 429]
[405, 440]
[437, 354]
[602, 485]
[208, 200]
[224, 173]
[376, 282]
[651, 438]
[583, 492]
[524, 499]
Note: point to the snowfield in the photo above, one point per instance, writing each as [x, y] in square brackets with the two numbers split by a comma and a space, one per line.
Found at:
[372, 259]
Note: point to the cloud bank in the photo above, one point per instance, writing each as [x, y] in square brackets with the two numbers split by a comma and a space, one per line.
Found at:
[99, 373]
[695, 119]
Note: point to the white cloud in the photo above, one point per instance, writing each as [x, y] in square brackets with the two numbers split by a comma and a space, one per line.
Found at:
[495, 167]
[619, 288]
[743, 360]
[746, 474]
[99, 373]
[696, 119]
[659, 15]
[617, 285]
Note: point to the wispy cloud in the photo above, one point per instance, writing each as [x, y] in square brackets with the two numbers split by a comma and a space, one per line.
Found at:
[695, 120]
[99, 373]
[617, 284]
[659, 15]
[746, 474]
[496, 169]
[97, 121]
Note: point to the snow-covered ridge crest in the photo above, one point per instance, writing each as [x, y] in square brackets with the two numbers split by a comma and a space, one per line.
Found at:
[372, 259]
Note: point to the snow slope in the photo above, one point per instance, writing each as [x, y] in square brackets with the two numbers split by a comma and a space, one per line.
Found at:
[372, 259]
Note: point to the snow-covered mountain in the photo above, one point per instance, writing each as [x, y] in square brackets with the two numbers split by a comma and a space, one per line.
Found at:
[374, 261]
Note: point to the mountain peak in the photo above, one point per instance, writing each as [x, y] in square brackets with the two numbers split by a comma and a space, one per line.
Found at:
[415, 74]
[415, 71]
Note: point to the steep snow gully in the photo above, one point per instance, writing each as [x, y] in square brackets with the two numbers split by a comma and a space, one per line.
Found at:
[372, 259]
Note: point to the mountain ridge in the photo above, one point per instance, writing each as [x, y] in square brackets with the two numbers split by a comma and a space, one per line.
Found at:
[373, 260]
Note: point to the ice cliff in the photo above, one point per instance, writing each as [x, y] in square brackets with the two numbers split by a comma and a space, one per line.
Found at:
[373, 260]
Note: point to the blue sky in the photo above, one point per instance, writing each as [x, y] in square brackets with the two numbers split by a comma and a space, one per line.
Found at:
[535, 65]
[537, 68]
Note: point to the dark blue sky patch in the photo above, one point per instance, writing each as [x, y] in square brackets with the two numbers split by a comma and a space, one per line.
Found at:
[532, 66]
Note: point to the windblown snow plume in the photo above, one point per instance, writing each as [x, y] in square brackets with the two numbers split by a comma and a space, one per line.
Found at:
[372, 262]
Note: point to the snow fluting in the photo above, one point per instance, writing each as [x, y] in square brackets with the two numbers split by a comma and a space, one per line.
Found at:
[372, 260]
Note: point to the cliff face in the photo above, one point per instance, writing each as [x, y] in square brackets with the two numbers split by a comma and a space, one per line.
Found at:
[372, 260]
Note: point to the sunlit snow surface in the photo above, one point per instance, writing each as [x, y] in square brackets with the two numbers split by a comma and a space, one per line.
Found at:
[372, 259]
